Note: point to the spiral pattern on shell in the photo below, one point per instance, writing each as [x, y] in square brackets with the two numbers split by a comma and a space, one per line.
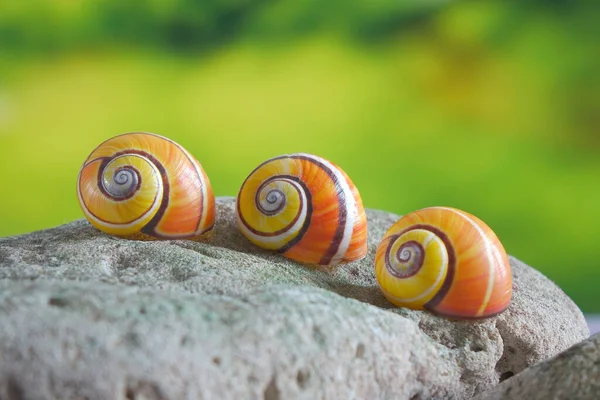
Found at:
[145, 186]
[304, 207]
[446, 261]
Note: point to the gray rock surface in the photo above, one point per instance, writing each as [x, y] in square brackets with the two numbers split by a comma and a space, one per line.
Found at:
[572, 375]
[87, 315]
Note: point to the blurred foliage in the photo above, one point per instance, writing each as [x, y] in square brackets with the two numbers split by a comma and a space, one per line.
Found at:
[51, 25]
[492, 107]
[58, 25]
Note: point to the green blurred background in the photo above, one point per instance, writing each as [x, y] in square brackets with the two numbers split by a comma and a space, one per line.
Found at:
[491, 107]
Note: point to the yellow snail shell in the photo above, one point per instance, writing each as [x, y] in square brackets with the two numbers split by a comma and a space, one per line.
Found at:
[446, 261]
[145, 186]
[304, 207]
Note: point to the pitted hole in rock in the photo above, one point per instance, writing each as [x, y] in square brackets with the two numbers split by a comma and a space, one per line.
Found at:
[302, 378]
[360, 350]
[476, 348]
[216, 361]
[58, 302]
[505, 375]
[143, 390]
[133, 339]
[186, 341]
[417, 396]
[271, 391]
[14, 390]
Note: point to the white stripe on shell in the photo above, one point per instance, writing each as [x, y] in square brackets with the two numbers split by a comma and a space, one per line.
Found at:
[430, 236]
[490, 288]
[491, 256]
[350, 205]
[289, 234]
[204, 190]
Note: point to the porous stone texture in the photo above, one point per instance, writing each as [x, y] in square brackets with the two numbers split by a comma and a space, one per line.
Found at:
[88, 315]
[572, 375]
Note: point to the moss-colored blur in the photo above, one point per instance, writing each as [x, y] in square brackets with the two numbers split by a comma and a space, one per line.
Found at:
[489, 107]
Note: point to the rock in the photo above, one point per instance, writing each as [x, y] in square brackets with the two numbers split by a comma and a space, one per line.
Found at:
[541, 321]
[85, 314]
[103, 341]
[572, 375]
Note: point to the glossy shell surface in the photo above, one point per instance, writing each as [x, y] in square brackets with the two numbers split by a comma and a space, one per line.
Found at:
[145, 186]
[446, 261]
[304, 207]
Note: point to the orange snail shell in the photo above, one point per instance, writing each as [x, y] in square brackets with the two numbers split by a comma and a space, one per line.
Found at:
[304, 207]
[145, 186]
[446, 261]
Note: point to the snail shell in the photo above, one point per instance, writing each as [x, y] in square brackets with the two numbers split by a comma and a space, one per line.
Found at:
[145, 186]
[446, 261]
[304, 207]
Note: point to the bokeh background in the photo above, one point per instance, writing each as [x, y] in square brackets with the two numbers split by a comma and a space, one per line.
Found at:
[492, 107]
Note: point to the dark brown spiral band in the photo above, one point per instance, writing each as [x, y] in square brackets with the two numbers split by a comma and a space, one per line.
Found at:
[149, 228]
[404, 254]
[439, 296]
